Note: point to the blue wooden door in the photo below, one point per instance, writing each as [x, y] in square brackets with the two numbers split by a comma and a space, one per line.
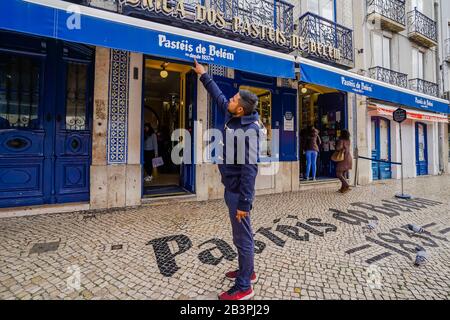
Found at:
[381, 148]
[421, 149]
[188, 169]
[385, 148]
[73, 126]
[33, 85]
[24, 165]
[375, 149]
[288, 135]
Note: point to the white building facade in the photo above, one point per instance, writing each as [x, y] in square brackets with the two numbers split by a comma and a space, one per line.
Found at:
[399, 44]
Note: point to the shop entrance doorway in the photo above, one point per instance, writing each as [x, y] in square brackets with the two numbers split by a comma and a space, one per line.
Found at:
[325, 110]
[169, 104]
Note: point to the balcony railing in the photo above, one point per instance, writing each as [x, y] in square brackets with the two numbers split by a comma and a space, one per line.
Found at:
[389, 76]
[424, 86]
[320, 30]
[421, 28]
[276, 14]
[393, 10]
[447, 50]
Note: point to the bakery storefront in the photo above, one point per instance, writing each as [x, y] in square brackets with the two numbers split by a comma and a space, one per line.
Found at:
[77, 88]
[375, 136]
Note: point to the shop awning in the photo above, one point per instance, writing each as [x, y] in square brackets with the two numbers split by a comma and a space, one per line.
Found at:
[377, 109]
[318, 73]
[55, 19]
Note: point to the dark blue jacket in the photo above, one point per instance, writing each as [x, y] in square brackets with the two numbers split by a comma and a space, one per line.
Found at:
[238, 178]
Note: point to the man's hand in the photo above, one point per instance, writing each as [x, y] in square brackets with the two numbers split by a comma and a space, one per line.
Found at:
[199, 69]
[241, 215]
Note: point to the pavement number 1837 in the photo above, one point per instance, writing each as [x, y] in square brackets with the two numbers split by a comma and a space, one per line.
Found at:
[249, 310]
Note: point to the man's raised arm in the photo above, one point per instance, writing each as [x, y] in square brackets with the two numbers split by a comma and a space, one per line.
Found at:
[212, 88]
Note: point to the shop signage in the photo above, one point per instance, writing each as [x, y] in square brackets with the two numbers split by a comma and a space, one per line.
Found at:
[102, 31]
[340, 80]
[399, 115]
[214, 18]
[288, 121]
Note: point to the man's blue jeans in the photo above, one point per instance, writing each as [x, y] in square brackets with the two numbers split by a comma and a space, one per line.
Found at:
[243, 240]
[311, 160]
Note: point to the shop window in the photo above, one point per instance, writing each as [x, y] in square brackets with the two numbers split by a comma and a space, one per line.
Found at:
[19, 91]
[265, 114]
[310, 111]
[374, 135]
[384, 140]
[76, 85]
[421, 141]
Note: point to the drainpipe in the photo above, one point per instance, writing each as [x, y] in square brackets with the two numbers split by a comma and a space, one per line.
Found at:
[438, 34]
[442, 51]
[336, 45]
[440, 83]
[355, 136]
[335, 11]
[275, 14]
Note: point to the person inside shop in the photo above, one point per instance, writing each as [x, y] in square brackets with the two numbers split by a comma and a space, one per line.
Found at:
[312, 145]
[343, 167]
[150, 151]
[239, 178]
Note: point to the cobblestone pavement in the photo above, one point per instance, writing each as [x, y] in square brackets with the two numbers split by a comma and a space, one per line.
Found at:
[309, 245]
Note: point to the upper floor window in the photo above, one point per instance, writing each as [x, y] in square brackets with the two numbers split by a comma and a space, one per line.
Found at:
[417, 4]
[382, 51]
[323, 8]
[417, 64]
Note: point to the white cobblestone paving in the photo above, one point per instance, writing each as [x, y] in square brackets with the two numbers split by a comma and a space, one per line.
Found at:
[302, 260]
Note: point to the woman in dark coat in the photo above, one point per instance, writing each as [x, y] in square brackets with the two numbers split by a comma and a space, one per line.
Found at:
[344, 166]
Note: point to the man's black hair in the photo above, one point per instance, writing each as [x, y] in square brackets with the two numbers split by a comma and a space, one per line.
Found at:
[248, 101]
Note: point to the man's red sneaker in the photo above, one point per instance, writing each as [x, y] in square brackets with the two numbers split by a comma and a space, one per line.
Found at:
[232, 275]
[235, 294]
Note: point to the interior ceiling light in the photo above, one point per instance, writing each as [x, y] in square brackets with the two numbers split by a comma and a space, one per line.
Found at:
[163, 72]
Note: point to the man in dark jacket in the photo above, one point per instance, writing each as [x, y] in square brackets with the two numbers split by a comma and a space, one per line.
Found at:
[238, 168]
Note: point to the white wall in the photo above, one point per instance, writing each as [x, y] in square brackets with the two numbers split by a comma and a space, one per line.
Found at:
[395, 149]
[409, 149]
[401, 45]
[433, 148]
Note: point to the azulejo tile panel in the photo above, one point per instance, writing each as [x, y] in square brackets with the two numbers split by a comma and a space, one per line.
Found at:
[118, 107]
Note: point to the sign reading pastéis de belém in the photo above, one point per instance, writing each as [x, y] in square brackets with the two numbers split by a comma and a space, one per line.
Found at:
[238, 25]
